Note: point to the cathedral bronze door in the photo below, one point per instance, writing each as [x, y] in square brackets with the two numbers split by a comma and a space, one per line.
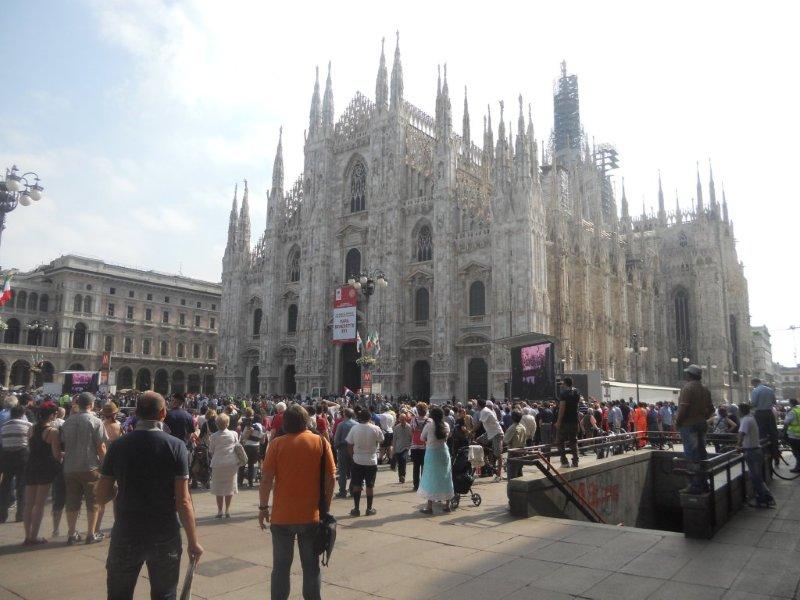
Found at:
[289, 384]
[477, 378]
[254, 383]
[421, 380]
[351, 372]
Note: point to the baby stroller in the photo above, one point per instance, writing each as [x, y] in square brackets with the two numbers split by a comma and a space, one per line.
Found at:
[200, 469]
[463, 478]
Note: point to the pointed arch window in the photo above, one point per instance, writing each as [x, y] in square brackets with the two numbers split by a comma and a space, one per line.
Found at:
[291, 319]
[352, 263]
[424, 246]
[682, 319]
[293, 265]
[358, 188]
[257, 315]
[477, 299]
[422, 305]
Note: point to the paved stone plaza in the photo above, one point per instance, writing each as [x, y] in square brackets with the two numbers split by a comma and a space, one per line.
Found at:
[480, 553]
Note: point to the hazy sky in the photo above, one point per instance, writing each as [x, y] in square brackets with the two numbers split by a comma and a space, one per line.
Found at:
[140, 115]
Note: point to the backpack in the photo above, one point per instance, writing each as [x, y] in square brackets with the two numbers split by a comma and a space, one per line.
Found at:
[518, 439]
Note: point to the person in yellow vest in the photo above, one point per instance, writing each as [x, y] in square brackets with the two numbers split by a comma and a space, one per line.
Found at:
[791, 426]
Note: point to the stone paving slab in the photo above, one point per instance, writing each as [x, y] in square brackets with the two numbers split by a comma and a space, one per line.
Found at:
[474, 552]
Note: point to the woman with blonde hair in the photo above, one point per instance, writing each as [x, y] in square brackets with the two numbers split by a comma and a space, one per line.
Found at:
[224, 463]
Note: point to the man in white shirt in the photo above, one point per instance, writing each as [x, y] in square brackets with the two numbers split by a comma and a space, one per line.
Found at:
[363, 441]
[494, 433]
[750, 446]
[387, 424]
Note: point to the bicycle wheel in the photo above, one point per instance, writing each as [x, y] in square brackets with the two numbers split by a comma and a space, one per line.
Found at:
[785, 464]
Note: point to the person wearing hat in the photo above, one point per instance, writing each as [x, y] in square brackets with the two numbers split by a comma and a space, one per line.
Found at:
[108, 414]
[694, 409]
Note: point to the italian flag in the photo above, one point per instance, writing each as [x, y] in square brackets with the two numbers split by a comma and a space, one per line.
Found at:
[5, 296]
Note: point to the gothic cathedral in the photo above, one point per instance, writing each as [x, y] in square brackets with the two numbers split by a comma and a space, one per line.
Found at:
[478, 244]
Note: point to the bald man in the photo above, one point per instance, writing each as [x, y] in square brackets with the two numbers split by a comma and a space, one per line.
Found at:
[150, 469]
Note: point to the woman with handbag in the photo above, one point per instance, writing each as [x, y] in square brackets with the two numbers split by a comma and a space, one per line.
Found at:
[225, 461]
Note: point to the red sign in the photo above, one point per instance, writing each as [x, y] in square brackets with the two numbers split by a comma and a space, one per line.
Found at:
[366, 382]
[106, 361]
[346, 297]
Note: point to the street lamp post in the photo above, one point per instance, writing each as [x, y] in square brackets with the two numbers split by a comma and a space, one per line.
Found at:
[636, 349]
[38, 328]
[17, 189]
[366, 283]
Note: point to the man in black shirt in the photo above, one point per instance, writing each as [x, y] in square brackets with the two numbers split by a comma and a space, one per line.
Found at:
[546, 420]
[178, 420]
[150, 469]
[567, 424]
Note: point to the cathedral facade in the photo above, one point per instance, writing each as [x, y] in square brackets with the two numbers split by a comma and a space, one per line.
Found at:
[478, 243]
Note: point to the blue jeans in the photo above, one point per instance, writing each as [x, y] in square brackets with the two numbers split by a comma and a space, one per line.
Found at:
[343, 462]
[754, 458]
[693, 438]
[283, 555]
[126, 556]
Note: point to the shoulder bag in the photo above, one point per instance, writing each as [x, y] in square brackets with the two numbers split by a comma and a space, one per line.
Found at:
[326, 529]
[241, 455]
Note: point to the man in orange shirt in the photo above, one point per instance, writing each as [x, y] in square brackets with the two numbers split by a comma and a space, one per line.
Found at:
[292, 468]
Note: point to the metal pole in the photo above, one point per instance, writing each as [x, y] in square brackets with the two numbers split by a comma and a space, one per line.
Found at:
[2, 225]
[636, 362]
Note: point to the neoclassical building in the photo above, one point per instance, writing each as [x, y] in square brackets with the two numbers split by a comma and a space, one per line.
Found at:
[161, 329]
[479, 243]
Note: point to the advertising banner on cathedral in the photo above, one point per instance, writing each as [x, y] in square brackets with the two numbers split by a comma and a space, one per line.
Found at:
[344, 315]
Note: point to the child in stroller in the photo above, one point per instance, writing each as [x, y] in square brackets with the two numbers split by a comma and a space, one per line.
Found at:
[463, 478]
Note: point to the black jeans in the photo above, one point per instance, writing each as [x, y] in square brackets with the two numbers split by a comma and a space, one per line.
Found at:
[283, 555]
[343, 468]
[400, 460]
[14, 462]
[126, 556]
[768, 427]
[418, 458]
[250, 467]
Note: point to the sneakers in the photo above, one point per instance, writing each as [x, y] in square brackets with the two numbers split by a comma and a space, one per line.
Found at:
[371, 511]
[574, 463]
[73, 538]
[497, 479]
[95, 538]
[341, 495]
[564, 462]
[355, 513]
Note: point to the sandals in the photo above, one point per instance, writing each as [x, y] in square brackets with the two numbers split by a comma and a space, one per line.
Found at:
[35, 542]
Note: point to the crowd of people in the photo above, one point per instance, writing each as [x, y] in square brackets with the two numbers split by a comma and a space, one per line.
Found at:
[86, 450]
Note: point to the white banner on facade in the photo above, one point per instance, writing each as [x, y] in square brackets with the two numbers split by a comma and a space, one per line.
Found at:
[344, 324]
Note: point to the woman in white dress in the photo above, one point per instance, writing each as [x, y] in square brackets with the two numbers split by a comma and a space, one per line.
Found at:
[224, 464]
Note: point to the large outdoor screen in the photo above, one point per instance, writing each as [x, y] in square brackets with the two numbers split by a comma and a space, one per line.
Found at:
[533, 375]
